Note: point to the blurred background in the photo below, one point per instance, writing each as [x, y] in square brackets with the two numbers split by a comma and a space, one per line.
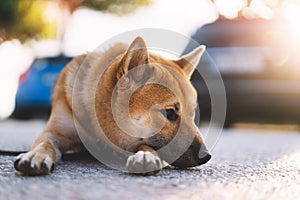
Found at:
[253, 43]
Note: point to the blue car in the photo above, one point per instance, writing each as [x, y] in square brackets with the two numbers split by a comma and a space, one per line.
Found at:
[33, 97]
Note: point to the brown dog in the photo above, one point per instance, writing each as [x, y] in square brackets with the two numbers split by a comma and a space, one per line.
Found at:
[142, 102]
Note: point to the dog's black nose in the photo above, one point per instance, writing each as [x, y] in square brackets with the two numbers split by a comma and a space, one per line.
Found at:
[204, 155]
[196, 154]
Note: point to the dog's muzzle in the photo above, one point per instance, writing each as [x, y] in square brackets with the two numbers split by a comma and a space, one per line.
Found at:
[196, 154]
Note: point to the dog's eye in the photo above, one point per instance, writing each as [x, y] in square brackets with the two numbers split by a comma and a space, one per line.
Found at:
[170, 114]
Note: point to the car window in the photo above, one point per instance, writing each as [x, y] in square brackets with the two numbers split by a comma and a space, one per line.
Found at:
[241, 59]
[42, 63]
[245, 46]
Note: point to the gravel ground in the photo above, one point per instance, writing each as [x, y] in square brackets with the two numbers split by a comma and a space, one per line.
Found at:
[246, 164]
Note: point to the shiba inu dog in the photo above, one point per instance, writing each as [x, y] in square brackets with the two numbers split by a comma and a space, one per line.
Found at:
[141, 102]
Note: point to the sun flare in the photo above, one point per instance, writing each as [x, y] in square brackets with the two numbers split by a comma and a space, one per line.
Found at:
[291, 12]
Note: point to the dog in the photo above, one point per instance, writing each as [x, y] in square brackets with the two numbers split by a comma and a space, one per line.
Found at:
[160, 100]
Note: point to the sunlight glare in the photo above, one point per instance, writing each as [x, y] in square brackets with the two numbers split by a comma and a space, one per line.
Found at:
[52, 12]
[261, 9]
[14, 59]
[88, 28]
[291, 12]
[230, 8]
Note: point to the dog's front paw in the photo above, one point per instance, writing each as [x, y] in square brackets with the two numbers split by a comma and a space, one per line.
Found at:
[34, 164]
[143, 163]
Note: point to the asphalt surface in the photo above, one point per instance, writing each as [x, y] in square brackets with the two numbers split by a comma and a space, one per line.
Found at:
[246, 164]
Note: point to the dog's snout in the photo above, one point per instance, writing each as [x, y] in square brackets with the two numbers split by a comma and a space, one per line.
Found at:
[197, 154]
[204, 155]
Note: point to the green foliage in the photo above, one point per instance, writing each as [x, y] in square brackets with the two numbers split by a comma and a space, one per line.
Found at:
[25, 19]
[116, 6]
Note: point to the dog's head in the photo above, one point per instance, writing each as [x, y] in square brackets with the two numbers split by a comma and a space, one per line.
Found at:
[161, 103]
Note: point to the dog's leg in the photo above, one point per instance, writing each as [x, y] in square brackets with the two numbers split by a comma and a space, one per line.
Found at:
[144, 162]
[58, 137]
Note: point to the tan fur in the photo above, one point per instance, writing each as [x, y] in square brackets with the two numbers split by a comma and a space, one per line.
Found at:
[146, 104]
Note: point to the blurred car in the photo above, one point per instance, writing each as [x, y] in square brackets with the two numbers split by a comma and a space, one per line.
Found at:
[33, 98]
[260, 65]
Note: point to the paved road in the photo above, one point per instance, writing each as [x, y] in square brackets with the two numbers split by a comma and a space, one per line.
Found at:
[246, 164]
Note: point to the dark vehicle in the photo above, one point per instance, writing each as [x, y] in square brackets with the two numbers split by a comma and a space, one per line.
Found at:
[33, 97]
[260, 65]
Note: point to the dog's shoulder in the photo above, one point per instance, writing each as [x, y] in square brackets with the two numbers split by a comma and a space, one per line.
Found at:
[90, 65]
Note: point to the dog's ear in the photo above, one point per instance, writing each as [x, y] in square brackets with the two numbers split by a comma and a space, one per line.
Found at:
[190, 61]
[137, 57]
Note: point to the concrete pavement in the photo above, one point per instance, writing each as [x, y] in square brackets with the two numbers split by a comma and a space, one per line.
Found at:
[246, 164]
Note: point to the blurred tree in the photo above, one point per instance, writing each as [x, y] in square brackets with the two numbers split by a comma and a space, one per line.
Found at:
[27, 19]
[114, 6]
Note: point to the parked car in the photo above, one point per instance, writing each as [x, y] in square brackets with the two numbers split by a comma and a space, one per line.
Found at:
[260, 65]
[33, 97]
